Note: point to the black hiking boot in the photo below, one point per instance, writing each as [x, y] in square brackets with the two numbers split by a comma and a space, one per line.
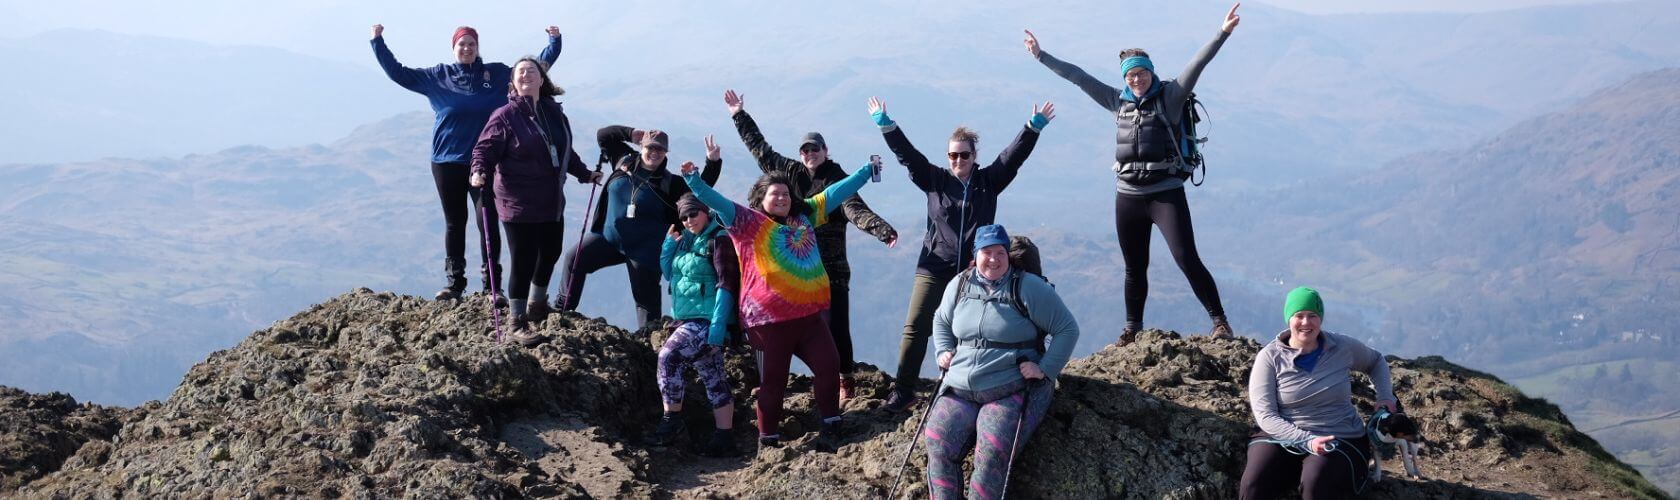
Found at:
[1221, 328]
[771, 441]
[828, 436]
[1128, 335]
[669, 429]
[452, 291]
[899, 401]
[722, 445]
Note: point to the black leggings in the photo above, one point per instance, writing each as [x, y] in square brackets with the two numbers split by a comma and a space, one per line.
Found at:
[1133, 214]
[535, 246]
[1273, 471]
[453, 192]
[594, 253]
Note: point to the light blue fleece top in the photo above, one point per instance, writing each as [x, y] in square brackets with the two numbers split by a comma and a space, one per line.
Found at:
[989, 313]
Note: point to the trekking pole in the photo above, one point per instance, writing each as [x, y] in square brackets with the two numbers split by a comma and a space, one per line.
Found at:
[1009, 467]
[489, 266]
[577, 249]
[911, 447]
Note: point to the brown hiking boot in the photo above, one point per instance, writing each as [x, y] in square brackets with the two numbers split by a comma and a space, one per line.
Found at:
[524, 335]
[1128, 335]
[1221, 328]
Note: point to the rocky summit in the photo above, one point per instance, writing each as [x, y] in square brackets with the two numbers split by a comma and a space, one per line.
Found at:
[375, 395]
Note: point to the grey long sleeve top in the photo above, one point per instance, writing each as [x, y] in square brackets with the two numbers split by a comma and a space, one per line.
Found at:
[1294, 405]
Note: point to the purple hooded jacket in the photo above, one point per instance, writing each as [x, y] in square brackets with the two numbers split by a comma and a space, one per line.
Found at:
[514, 152]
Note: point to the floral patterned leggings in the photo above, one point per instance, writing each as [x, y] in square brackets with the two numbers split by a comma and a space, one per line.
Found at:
[958, 416]
[687, 346]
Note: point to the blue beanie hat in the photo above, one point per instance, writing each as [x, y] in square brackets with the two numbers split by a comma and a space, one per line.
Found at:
[989, 235]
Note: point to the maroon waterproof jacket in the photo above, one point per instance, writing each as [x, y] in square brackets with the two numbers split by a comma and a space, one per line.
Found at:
[523, 149]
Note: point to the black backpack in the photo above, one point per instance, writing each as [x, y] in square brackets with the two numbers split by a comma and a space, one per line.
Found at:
[1023, 259]
[1190, 144]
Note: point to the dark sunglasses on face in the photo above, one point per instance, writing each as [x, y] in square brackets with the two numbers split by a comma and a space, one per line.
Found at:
[964, 155]
[810, 149]
[690, 215]
[655, 149]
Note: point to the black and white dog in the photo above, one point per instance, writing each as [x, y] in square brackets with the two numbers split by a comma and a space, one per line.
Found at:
[1399, 430]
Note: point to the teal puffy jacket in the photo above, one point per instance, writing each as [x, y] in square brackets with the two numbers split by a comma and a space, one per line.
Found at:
[704, 275]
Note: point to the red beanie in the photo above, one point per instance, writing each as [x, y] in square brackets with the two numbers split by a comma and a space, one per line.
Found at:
[463, 31]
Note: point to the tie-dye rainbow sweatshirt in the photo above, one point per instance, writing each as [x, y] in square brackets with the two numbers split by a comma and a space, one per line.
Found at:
[782, 275]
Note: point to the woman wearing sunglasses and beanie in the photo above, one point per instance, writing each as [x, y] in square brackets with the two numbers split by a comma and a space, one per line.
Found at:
[699, 262]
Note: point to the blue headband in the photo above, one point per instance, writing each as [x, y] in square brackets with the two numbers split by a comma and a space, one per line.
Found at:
[1136, 62]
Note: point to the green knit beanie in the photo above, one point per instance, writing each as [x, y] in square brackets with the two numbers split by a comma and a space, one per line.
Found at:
[1302, 299]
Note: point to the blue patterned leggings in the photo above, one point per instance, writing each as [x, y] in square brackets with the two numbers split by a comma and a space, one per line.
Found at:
[687, 346]
[958, 416]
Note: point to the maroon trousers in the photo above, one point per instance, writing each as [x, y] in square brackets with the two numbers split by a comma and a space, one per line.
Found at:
[776, 345]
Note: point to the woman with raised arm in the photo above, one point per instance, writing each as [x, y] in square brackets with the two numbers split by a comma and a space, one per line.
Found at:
[1150, 169]
[784, 289]
[630, 218]
[525, 149]
[462, 93]
[811, 174]
[960, 199]
[699, 261]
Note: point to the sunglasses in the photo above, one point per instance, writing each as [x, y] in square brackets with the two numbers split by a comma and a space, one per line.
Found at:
[654, 148]
[690, 215]
[960, 155]
[810, 149]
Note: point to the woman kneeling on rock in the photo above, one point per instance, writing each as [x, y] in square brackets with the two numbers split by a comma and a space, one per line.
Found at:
[999, 374]
[699, 263]
[1309, 432]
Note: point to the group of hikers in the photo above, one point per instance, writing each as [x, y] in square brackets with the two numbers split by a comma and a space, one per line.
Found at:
[774, 270]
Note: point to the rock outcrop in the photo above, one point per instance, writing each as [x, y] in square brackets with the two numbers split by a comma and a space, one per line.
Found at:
[374, 395]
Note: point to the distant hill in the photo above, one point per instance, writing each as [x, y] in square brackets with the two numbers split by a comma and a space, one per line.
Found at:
[84, 94]
[1568, 218]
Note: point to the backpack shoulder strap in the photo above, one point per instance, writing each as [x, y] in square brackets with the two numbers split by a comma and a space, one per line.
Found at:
[962, 284]
[1015, 292]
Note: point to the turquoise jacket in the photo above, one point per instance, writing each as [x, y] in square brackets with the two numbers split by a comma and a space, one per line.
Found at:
[704, 277]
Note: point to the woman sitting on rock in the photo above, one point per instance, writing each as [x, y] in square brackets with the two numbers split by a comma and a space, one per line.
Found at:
[699, 263]
[1309, 432]
[784, 289]
[998, 371]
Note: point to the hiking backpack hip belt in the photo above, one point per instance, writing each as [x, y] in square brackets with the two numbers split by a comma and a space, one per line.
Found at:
[1171, 166]
[992, 344]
